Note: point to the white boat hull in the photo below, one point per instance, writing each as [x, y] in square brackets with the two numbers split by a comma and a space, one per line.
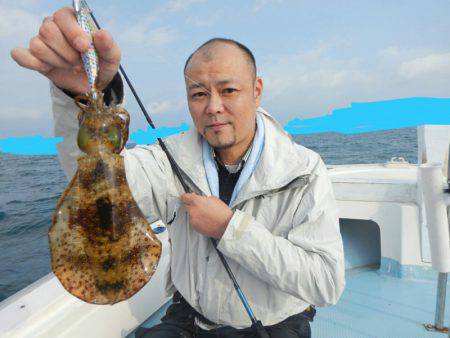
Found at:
[46, 309]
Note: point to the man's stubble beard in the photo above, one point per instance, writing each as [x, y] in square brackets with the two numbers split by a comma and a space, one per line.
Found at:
[218, 145]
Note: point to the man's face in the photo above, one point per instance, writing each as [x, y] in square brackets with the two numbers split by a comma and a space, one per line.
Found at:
[223, 96]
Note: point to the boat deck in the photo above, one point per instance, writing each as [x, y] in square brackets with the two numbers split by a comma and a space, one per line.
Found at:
[374, 305]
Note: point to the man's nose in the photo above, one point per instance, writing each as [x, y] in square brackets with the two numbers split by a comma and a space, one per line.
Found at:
[215, 104]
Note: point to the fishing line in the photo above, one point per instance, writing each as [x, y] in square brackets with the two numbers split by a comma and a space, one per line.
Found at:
[256, 324]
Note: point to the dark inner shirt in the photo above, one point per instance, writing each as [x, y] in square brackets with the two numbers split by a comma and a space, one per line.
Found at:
[227, 182]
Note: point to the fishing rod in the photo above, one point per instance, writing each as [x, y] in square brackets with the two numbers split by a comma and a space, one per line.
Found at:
[256, 324]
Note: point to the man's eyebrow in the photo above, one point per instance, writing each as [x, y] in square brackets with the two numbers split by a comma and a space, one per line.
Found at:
[196, 85]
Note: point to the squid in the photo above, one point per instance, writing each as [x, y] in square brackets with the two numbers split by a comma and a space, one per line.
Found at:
[102, 248]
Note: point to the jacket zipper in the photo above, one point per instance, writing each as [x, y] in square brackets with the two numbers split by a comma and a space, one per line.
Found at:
[304, 181]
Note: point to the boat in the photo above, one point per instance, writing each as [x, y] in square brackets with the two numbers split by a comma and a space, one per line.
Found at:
[391, 278]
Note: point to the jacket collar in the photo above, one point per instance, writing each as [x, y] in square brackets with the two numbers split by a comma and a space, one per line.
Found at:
[281, 162]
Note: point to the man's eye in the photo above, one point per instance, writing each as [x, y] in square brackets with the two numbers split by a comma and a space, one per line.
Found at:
[229, 90]
[198, 94]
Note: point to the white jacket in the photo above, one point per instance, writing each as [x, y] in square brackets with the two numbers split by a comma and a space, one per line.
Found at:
[283, 242]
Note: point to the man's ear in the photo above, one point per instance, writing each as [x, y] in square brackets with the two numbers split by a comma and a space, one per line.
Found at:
[258, 90]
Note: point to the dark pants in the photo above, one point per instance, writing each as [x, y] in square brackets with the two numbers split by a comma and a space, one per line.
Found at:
[179, 322]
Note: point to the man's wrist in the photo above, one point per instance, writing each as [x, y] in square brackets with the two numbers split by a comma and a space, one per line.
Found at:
[225, 226]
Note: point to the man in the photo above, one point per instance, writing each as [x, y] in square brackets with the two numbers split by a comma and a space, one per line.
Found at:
[274, 217]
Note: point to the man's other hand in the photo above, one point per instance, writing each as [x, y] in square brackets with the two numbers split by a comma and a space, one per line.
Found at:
[207, 214]
[55, 53]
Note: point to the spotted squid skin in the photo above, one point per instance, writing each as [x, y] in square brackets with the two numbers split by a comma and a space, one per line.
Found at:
[102, 248]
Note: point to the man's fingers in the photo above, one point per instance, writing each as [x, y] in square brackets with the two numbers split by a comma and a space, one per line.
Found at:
[67, 23]
[107, 49]
[52, 36]
[189, 198]
[41, 51]
[109, 57]
[25, 59]
[78, 82]
[186, 198]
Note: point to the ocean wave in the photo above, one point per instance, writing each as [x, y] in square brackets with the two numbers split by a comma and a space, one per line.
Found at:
[49, 198]
[15, 202]
[34, 202]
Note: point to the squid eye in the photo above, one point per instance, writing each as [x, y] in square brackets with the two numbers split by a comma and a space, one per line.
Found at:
[84, 138]
[115, 136]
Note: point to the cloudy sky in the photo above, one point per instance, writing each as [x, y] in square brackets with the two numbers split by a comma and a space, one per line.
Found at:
[314, 56]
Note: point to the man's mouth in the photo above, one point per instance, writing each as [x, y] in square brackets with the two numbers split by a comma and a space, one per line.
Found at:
[216, 126]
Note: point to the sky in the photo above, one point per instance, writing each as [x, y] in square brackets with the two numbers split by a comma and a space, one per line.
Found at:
[314, 56]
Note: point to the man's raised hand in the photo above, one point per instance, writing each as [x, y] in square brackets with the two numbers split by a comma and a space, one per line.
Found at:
[55, 53]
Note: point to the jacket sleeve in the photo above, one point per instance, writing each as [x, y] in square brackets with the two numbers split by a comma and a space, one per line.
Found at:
[309, 263]
[147, 168]
[66, 126]
[65, 116]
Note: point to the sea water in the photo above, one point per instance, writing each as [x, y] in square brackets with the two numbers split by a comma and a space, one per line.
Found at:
[31, 185]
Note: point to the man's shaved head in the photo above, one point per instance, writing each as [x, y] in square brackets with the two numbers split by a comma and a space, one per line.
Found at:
[207, 52]
[223, 94]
